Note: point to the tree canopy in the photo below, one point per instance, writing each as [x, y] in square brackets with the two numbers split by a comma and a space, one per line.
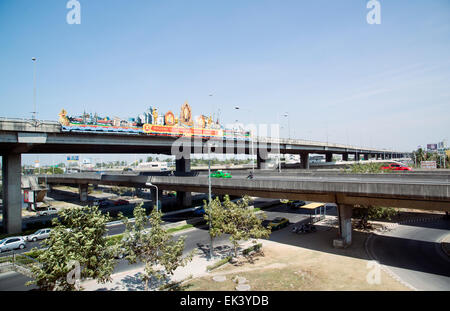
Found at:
[77, 242]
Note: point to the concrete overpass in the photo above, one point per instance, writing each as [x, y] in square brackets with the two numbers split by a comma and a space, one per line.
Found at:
[33, 136]
[404, 190]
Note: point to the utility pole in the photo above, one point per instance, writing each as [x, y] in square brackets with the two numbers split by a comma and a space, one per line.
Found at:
[211, 252]
[34, 88]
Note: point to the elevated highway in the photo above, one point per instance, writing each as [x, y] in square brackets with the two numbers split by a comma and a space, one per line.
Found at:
[30, 136]
[35, 136]
[417, 190]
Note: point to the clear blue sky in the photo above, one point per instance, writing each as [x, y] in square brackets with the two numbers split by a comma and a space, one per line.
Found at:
[375, 85]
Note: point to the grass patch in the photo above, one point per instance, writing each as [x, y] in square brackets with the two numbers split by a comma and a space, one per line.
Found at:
[171, 230]
[219, 263]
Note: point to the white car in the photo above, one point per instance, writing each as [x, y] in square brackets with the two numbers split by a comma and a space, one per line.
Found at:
[47, 211]
[38, 235]
[11, 243]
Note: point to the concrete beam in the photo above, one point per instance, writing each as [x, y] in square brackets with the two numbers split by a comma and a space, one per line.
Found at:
[12, 193]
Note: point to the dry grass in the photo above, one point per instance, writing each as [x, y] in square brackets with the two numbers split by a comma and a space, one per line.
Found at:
[285, 267]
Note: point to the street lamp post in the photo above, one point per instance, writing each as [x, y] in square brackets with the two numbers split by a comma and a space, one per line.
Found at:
[34, 88]
[289, 126]
[251, 139]
[211, 248]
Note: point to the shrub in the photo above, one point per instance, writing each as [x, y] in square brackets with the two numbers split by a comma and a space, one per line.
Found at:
[253, 248]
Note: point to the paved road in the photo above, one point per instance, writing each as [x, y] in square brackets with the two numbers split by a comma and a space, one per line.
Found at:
[413, 252]
[195, 238]
[348, 178]
[13, 281]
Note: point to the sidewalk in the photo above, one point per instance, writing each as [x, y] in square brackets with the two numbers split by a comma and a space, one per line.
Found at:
[131, 280]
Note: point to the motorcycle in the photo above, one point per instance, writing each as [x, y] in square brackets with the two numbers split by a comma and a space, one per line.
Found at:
[307, 228]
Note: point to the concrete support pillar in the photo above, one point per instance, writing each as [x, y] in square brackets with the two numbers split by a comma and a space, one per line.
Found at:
[183, 165]
[366, 156]
[261, 163]
[304, 160]
[345, 226]
[345, 157]
[83, 191]
[328, 157]
[357, 156]
[184, 199]
[12, 193]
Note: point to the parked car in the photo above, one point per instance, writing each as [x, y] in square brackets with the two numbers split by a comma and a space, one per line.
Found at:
[396, 167]
[278, 223]
[11, 243]
[101, 202]
[199, 211]
[47, 211]
[121, 202]
[220, 174]
[38, 235]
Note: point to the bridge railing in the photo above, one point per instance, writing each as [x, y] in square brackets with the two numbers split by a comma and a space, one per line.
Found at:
[289, 141]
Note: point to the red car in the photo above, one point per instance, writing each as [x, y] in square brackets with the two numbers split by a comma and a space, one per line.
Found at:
[396, 167]
[121, 202]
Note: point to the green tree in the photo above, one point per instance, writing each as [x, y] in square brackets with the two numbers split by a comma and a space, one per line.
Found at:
[154, 247]
[215, 217]
[78, 238]
[365, 213]
[237, 220]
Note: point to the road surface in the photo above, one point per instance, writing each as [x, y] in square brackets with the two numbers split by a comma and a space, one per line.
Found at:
[413, 253]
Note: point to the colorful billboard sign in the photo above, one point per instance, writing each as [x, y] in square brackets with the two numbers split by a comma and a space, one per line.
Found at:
[28, 196]
[428, 164]
[73, 158]
[431, 146]
[178, 131]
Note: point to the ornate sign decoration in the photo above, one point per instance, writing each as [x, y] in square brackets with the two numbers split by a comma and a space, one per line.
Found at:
[169, 118]
[155, 116]
[186, 115]
[201, 122]
[63, 118]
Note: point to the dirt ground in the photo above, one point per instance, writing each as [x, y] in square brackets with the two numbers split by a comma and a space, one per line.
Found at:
[303, 262]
